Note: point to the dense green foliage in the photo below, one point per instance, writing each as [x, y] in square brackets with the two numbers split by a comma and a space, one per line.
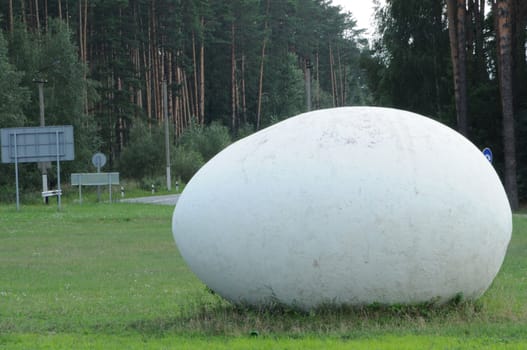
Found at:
[109, 275]
[13, 97]
[411, 68]
[413, 59]
[142, 157]
[241, 65]
[50, 57]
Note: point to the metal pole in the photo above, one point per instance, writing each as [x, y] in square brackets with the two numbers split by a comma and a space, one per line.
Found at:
[16, 176]
[167, 136]
[308, 85]
[58, 170]
[98, 186]
[110, 186]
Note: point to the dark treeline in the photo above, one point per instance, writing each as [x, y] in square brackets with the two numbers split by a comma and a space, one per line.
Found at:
[241, 64]
[461, 62]
[233, 67]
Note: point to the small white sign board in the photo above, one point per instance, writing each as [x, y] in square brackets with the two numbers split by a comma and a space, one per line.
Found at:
[94, 179]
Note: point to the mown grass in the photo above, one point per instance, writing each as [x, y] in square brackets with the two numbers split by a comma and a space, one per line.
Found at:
[109, 276]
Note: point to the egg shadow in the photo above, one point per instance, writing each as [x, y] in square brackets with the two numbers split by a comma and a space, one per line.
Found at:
[220, 319]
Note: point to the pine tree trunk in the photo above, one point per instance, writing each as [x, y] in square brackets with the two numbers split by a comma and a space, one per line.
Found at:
[11, 18]
[187, 99]
[37, 16]
[260, 87]
[340, 80]
[202, 74]
[148, 81]
[152, 58]
[331, 71]
[23, 11]
[244, 104]
[457, 52]
[162, 77]
[85, 35]
[345, 83]
[307, 83]
[233, 78]
[185, 103]
[46, 14]
[479, 49]
[60, 9]
[156, 83]
[470, 19]
[169, 82]
[436, 78]
[519, 37]
[317, 77]
[195, 66]
[139, 93]
[462, 57]
[177, 104]
[192, 98]
[84, 43]
[494, 5]
[81, 38]
[119, 133]
[262, 59]
[238, 97]
[504, 31]
[181, 95]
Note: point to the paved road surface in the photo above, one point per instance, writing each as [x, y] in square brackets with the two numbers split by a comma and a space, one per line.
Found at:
[170, 199]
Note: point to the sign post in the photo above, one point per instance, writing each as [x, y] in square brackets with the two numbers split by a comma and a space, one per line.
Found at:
[99, 160]
[16, 176]
[58, 170]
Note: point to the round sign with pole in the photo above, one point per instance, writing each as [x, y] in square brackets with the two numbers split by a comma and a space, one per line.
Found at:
[488, 154]
[98, 160]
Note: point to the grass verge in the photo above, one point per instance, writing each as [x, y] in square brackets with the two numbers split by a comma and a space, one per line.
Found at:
[109, 276]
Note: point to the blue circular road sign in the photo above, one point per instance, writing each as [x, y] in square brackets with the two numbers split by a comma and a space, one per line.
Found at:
[98, 160]
[488, 154]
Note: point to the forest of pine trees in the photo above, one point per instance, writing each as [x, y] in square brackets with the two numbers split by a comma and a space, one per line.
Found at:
[233, 67]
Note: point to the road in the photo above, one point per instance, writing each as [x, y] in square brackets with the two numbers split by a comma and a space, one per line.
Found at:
[170, 199]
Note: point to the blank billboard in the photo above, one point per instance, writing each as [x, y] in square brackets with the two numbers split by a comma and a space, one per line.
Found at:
[37, 144]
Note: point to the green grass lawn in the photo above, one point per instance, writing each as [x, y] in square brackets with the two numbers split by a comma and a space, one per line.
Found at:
[104, 276]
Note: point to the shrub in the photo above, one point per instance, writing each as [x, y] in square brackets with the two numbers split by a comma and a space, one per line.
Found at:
[206, 140]
[196, 146]
[186, 162]
[144, 154]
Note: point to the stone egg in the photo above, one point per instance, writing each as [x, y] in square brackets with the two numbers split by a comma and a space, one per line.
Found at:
[350, 205]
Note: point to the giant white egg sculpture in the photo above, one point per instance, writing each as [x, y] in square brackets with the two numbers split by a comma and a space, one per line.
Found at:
[350, 205]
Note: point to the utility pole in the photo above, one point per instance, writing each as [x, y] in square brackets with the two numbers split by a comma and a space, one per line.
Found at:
[167, 136]
[42, 165]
